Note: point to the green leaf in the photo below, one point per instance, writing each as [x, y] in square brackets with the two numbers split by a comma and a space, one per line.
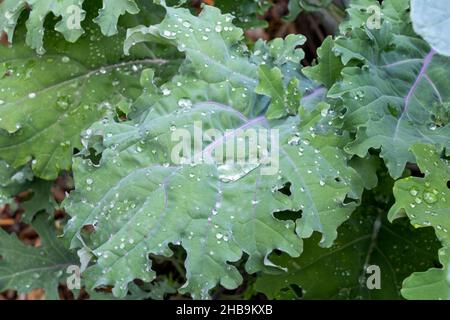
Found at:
[340, 272]
[431, 20]
[156, 291]
[247, 12]
[271, 85]
[399, 94]
[284, 101]
[283, 51]
[426, 201]
[359, 12]
[215, 53]
[367, 168]
[329, 68]
[109, 15]
[24, 268]
[297, 6]
[433, 284]
[208, 42]
[70, 12]
[8, 184]
[13, 182]
[139, 200]
[279, 74]
[47, 101]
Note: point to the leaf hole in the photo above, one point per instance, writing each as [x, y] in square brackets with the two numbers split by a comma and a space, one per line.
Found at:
[286, 189]
[288, 215]
[173, 265]
[88, 229]
[297, 290]
[349, 200]
[415, 170]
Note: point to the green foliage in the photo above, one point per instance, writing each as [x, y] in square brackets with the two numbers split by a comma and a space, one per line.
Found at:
[71, 13]
[366, 239]
[385, 93]
[424, 11]
[426, 203]
[246, 12]
[284, 101]
[13, 182]
[430, 285]
[357, 140]
[56, 96]
[426, 200]
[297, 6]
[329, 68]
[24, 268]
[230, 205]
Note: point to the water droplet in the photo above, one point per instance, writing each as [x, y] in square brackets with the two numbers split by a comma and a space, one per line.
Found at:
[63, 102]
[360, 94]
[185, 103]
[413, 192]
[294, 140]
[429, 197]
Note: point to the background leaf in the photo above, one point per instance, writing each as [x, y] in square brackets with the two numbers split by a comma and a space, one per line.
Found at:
[425, 202]
[339, 272]
[431, 20]
[429, 285]
[47, 101]
[71, 13]
[396, 95]
[24, 268]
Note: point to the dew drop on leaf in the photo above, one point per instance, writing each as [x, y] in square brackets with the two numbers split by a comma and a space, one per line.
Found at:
[430, 198]
[184, 103]
[413, 192]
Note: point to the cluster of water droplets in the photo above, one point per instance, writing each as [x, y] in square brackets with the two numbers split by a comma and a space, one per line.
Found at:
[427, 199]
